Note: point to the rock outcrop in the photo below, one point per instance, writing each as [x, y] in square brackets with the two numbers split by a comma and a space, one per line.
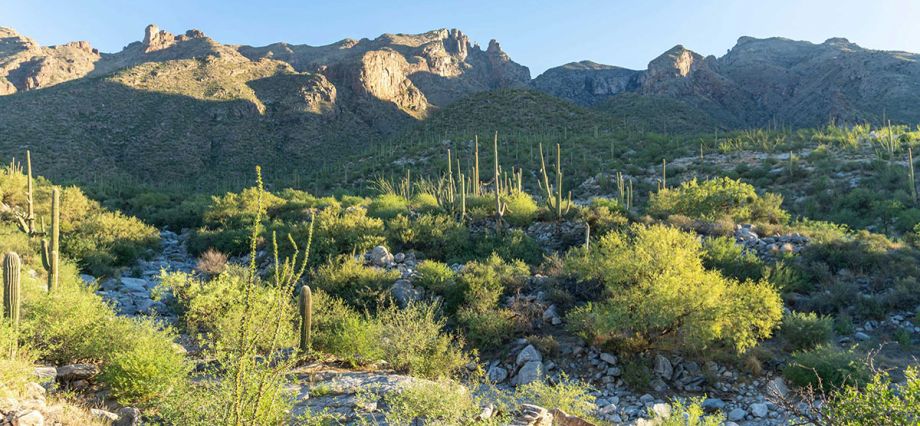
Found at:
[25, 65]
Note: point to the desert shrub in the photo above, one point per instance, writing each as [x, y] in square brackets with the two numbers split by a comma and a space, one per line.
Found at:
[803, 331]
[604, 215]
[435, 276]
[723, 254]
[413, 341]
[487, 329]
[15, 372]
[568, 395]
[437, 236]
[211, 262]
[214, 308]
[345, 232]
[521, 210]
[880, 400]
[347, 279]
[238, 210]
[716, 198]
[148, 368]
[440, 402]
[425, 203]
[827, 368]
[484, 282]
[387, 206]
[342, 331]
[511, 244]
[650, 276]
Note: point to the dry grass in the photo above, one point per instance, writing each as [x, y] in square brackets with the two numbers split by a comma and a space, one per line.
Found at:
[212, 262]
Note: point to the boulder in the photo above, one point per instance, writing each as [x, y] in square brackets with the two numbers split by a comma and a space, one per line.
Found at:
[532, 415]
[77, 372]
[29, 418]
[380, 256]
[104, 415]
[777, 388]
[529, 372]
[497, 374]
[663, 367]
[737, 415]
[404, 293]
[561, 418]
[759, 409]
[609, 358]
[528, 354]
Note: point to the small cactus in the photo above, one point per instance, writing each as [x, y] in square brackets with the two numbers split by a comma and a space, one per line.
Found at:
[51, 252]
[306, 319]
[11, 295]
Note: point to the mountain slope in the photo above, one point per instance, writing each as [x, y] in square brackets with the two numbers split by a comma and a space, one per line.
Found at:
[764, 80]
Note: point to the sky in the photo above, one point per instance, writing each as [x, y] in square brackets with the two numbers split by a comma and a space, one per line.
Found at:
[538, 34]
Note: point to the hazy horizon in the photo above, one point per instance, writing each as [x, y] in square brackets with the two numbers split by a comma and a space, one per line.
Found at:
[540, 38]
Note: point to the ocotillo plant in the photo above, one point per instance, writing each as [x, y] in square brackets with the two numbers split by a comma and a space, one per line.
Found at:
[11, 295]
[500, 205]
[554, 199]
[51, 254]
[306, 319]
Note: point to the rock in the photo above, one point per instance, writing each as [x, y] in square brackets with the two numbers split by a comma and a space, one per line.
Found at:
[663, 367]
[497, 374]
[133, 285]
[529, 372]
[103, 415]
[737, 414]
[607, 409]
[34, 391]
[528, 354]
[486, 412]
[713, 404]
[777, 387]
[550, 314]
[29, 418]
[609, 358]
[862, 337]
[87, 279]
[645, 399]
[404, 293]
[76, 372]
[380, 256]
[532, 415]
[399, 258]
[46, 372]
[128, 416]
[661, 410]
[561, 418]
[759, 409]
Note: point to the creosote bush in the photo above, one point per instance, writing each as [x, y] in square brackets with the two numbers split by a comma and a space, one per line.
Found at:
[827, 368]
[363, 287]
[803, 330]
[717, 198]
[658, 294]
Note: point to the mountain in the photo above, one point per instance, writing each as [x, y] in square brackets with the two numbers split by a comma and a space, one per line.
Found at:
[760, 81]
[180, 109]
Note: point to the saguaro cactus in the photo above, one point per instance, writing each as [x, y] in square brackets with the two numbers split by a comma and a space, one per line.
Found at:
[476, 167]
[30, 219]
[11, 295]
[51, 254]
[306, 318]
[500, 205]
[554, 199]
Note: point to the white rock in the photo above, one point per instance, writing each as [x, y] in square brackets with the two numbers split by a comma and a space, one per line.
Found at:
[759, 409]
[529, 372]
[528, 354]
[609, 358]
[29, 418]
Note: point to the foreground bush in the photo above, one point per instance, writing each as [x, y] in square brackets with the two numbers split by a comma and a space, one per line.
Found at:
[803, 330]
[880, 401]
[827, 368]
[363, 287]
[658, 294]
[718, 198]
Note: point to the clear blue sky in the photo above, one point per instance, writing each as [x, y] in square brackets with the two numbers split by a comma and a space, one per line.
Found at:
[539, 34]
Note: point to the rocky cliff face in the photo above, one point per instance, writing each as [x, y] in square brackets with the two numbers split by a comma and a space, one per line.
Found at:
[24, 65]
[765, 80]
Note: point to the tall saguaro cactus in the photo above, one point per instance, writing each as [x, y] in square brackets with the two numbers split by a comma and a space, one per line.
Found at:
[11, 295]
[554, 198]
[475, 176]
[51, 253]
[500, 206]
[30, 219]
[306, 318]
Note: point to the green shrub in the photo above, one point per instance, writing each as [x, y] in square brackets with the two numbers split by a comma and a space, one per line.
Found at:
[484, 282]
[214, 308]
[336, 233]
[489, 329]
[441, 402]
[511, 244]
[880, 400]
[521, 210]
[570, 396]
[148, 369]
[413, 341]
[435, 276]
[347, 279]
[659, 295]
[827, 368]
[425, 203]
[723, 254]
[604, 215]
[343, 332]
[803, 331]
[437, 236]
[717, 198]
[387, 206]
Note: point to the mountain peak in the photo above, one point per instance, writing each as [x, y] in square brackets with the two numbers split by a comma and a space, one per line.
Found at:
[677, 61]
[156, 39]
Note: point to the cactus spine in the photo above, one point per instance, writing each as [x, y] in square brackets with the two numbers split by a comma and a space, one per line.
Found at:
[554, 198]
[306, 319]
[51, 252]
[11, 295]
